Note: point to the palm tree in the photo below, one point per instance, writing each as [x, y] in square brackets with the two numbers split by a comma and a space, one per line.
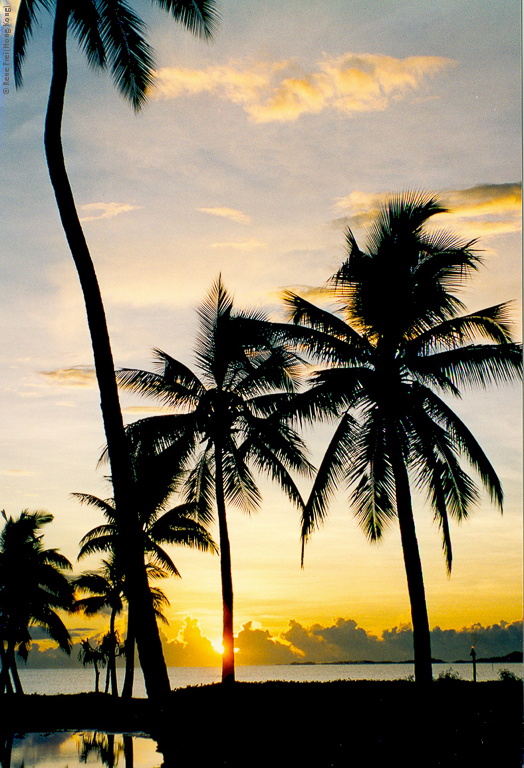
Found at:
[398, 342]
[95, 655]
[107, 591]
[110, 34]
[231, 417]
[32, 587]
[107, 588]
[153, 487]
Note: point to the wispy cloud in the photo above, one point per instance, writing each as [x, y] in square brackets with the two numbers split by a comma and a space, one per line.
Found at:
[243, 245]
[17, 473]
[284, 90]
[106, 210]
[77, 376]
[481, 211]
[228, 213]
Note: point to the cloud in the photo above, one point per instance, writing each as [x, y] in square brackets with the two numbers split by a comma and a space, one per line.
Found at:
[77, 376]
[17, 473]
[190, 648]
[342, 640]
[228, 213]
[149, 410]
[482, 211]
[244, 245]
[282, 91]
[106, 210]
[257, 646]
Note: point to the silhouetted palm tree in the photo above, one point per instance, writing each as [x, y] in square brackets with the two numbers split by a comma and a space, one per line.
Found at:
[229, 419]
[107, 590]
[153, 487]
[396, 344]
[95, 655]
[110, 34]
[32, 587]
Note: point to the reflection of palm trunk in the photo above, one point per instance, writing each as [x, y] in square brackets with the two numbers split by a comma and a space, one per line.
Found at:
[148, 639]
[413, 565]
[127, 690]
[228, 656]
[128, 751]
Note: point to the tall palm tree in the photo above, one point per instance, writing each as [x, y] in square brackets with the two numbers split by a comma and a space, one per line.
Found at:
[153, 488]
[399, 342]
[32, 588]
[229, 419]
[110, 34]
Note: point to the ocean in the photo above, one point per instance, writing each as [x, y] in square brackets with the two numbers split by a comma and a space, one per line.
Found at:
[73, 749]
[55, 681]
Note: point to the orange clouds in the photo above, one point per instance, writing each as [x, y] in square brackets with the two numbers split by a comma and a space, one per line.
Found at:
[283, 91]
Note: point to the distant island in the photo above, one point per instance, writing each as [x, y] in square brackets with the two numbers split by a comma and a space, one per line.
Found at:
[510, 658]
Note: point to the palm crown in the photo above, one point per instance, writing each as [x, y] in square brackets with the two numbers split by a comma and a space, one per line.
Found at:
[112, 36]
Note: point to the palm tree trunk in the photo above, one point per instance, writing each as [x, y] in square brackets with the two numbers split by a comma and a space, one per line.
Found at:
[228, 656]
[5, 680]
[148, 638]
[11, 663]
[97, 677]
[112, 658]
[413, 565]
[127, 689]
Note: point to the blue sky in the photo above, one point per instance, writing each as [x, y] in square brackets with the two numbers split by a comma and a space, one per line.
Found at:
[250, 159]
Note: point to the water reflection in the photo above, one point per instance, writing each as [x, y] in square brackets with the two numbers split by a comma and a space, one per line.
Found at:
[64, 749]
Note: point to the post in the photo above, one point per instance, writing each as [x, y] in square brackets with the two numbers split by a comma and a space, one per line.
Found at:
[473, 655]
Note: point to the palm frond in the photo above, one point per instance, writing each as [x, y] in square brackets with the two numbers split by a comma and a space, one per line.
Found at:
[128, 55]
[201, 17]
[26, 20]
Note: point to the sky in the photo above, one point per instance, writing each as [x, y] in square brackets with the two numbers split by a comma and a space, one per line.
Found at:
[252, 156]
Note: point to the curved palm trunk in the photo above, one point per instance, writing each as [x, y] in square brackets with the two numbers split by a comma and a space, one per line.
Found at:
[148, 638]
[413, 565]
[97, 676]
[228, 656]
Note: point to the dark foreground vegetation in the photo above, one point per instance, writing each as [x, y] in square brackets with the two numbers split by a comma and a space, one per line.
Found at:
[344, 723]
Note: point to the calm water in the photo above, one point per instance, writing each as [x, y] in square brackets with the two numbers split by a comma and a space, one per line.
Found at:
[53, 681]
[72, 750]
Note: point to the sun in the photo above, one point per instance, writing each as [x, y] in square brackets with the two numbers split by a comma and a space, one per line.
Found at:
[218, 646]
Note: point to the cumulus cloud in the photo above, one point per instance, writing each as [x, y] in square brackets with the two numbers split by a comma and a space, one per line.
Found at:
[228, 213]
[257, 646]
[190, 648]
[482, 211]
[342, 640]
[106, 210]
[283, 91]
[77, 376]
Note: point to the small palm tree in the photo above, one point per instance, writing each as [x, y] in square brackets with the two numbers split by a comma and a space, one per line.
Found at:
[110, 34]
[95, 655]
[231, 418]
[32, 588]
[107, 589]
[398, 343]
